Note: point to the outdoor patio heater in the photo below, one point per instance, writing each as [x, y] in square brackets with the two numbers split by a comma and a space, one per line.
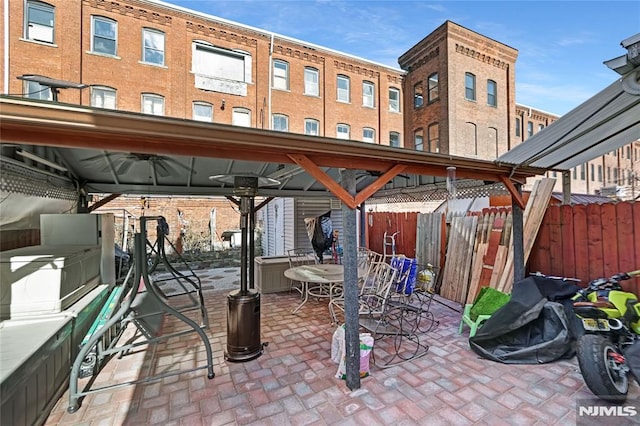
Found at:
[243, 305]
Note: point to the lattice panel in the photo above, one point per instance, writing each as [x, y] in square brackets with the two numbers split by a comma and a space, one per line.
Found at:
[436, 193]
[18, 180]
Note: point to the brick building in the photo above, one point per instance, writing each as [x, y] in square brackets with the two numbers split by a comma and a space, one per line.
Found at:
[454, 92]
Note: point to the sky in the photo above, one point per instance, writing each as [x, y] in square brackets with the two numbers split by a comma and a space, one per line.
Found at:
[561, 44]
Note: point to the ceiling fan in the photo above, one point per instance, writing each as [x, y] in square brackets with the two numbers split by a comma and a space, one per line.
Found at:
[121, 163]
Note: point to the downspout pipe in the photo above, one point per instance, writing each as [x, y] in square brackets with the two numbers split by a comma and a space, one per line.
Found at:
[5, 77]
[270, 78]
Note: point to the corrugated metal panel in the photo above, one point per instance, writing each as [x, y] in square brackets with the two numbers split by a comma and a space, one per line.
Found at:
[603, 123]
[312, 208]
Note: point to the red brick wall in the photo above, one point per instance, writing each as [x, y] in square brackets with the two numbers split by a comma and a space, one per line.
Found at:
[195, 214]
[71, 59]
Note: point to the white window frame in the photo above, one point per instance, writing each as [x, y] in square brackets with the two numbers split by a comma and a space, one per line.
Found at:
[154, 35]
[343, 93]
[368, 91]
[103, 97]
[35, 90]
[204, 62]
[343, 131]
[311, 82]
[280, 74]
[394, 99]
[368, 135]
[280, 123]
[104, 20]
[39, 31]
[311, 127]
[202, 111]
[241, 117]
[152, 104]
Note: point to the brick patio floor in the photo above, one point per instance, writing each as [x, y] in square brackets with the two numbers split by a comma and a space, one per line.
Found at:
[293, 382]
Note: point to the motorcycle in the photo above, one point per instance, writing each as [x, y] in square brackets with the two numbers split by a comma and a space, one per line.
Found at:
[611, 321]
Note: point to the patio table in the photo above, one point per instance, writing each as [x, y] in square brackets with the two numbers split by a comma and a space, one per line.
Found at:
[319, 280]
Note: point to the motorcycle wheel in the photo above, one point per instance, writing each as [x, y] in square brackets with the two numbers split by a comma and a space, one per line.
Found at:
[605, 377]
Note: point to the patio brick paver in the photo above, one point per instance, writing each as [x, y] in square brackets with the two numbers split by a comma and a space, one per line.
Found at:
[293, 382]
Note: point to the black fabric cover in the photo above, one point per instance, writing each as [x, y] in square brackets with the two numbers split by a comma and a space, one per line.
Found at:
[536, 326]
[322, 235]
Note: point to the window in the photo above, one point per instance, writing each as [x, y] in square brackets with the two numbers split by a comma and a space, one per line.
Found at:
[202, 111]
[608, 174]
[343, 88]
[593, 174]
[152, 104]
[368, 135]
[417, 95]
[152, 46]
[103, 97]
[311, 78]
[582, 172]
[529, 128]
[394, 99]
[280, 75]
[394, 139]
[280, 123]
[518, 126]
[241, 117]
[492, 93]
[418, 140]
[470, 86]
[34, 90]
[575, 173]
[434, 92]
[39, 23]
[434, 138]
[367, 94]
[599, 173]
[220, 70]
[104, 35]
[343, 131]
[311, 127]
[540, 127]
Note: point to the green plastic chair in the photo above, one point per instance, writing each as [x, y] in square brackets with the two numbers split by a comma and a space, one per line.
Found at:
[473, 325]
[487, 302]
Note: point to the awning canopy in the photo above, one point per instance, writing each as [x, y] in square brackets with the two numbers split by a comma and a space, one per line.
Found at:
[115, 152]
[603, 123]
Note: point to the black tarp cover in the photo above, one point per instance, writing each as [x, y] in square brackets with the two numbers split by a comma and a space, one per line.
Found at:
[536, 326]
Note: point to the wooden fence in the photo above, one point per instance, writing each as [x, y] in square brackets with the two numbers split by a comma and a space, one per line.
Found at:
[581, 241]
[589, 241]
[404, 224]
